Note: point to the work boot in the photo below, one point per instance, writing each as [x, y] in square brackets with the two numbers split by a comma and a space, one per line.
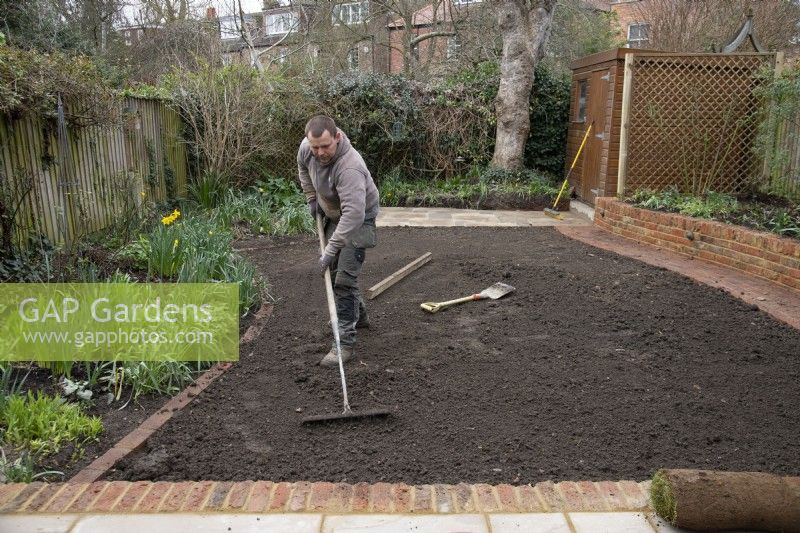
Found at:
[331, 360]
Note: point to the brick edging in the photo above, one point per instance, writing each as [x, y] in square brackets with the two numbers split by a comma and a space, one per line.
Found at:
[133, 440]
[758, 253]
[322, 497]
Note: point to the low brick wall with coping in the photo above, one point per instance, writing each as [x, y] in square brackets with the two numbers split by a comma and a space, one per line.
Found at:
[758, 253]
[321, 497]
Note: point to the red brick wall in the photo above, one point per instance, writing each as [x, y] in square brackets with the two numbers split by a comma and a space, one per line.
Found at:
[396, 45]
[761, 254]
[629, 12]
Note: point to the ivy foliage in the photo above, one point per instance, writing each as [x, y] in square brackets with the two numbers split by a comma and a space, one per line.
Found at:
[31, 81]
[549, 111]
[402, 125]
[379, 114]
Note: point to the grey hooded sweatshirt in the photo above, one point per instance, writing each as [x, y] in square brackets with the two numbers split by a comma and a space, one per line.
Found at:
[343, 189]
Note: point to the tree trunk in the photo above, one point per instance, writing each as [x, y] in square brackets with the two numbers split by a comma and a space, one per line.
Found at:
[708, 500]
[525, 26]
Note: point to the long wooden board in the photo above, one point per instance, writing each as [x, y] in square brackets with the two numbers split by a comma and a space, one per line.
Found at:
[381, 286]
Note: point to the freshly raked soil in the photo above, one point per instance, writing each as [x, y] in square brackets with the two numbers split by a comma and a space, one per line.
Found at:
[597, 367]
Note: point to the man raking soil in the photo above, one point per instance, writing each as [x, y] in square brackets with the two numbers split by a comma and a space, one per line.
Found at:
[338, 185]
[347, 413]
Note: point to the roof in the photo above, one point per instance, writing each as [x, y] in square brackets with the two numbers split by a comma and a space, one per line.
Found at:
[426, 16]
[602, 5]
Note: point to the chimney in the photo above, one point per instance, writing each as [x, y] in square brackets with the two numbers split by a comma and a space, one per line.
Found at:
[211, 13]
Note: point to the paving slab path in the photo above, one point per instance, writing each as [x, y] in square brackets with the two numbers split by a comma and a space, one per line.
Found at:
[568, 506]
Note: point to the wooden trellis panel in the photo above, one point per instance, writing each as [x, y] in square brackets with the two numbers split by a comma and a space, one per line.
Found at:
[692, 121]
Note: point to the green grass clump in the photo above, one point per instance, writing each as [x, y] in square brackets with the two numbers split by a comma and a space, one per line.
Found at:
[44, 424]
[164, 378]
[395, 191]
[662, 497]
[711, 205]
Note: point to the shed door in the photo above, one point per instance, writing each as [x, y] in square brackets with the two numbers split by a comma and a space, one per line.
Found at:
[593, 173]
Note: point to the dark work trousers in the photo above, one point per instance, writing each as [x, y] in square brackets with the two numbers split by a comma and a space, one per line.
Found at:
[345, 270]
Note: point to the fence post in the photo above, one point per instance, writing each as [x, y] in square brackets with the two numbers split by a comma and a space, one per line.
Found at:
[627, 86]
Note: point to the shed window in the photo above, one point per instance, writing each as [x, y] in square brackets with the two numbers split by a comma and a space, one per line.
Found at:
[582, 90]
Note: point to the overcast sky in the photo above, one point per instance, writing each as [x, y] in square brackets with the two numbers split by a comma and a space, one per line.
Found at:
[224, 7]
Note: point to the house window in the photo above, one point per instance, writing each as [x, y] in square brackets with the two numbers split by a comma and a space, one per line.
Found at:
[230, 27]
[280, 23]
[638, 35]
[583, 86]
[352, 59]
[453, 47]
[465, 2]
[351, 13]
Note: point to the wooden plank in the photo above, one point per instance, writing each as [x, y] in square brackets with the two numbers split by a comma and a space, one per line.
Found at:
[381, 286]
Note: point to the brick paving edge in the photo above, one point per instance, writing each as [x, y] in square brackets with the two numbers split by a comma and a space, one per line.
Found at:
[322, 497]
[136, 438]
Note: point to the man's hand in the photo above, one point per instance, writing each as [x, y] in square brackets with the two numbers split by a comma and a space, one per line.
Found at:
[313, 206]
[325, 261]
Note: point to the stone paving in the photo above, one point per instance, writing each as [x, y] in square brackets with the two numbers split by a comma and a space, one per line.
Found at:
[315, 523]
[440, 217]
[81, 505]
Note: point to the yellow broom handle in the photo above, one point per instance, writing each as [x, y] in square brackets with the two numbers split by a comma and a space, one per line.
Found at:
[580, 148]
[577, 155]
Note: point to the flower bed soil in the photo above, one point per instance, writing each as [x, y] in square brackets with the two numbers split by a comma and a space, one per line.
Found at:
[116, 423]
[597, 367]
[119, 418]
[491, 201]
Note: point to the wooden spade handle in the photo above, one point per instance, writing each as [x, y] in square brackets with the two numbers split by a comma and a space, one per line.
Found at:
[435, 307]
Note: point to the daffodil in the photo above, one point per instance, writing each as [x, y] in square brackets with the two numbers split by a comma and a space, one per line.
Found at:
[169, 219]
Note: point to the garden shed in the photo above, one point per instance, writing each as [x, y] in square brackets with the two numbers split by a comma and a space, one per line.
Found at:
[664, 118]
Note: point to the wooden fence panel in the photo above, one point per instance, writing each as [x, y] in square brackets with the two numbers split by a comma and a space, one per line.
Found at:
[783, 172]
[103, 173]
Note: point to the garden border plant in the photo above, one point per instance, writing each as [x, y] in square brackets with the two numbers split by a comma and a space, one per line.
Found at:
[778, 216]
[188, 243]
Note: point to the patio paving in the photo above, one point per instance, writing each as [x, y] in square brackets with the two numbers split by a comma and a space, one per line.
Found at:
[442, 217]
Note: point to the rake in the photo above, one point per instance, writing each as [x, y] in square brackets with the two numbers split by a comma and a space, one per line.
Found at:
[347, 413]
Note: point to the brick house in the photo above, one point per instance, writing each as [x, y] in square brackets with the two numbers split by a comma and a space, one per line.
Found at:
[332, 36]
[136, 33]
[360, 35]
[441, 18]
[630, 19]
[632, 27]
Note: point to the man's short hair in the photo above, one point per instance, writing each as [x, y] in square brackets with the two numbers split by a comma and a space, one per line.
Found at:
[320, 124]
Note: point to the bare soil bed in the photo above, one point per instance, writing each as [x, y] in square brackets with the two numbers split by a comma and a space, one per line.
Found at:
[597, 367]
